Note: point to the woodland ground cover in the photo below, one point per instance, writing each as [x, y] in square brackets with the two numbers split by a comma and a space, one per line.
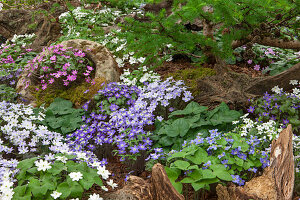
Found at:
[60, 152]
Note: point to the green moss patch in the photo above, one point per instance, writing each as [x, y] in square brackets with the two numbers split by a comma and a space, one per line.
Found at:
[77, 94]
[191, 76]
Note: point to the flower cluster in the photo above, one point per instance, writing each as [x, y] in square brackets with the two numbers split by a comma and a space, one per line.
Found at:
[234, 152]
[271, 60]
[139, 77]
[63, 66]
[126, 126]
[282, 107]
[13, 57]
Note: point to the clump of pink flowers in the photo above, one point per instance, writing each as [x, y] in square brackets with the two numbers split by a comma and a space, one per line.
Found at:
[61, 67]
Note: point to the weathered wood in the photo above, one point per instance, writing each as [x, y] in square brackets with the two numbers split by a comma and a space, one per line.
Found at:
[158, 188]
[277, 181]
[162, 188]
[282, 80]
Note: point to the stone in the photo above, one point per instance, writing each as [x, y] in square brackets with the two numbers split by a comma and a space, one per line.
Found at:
[105, 65]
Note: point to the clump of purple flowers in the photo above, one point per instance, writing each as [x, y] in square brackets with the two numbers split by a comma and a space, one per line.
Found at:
[281, 107]
[123, 114]
[238, 155]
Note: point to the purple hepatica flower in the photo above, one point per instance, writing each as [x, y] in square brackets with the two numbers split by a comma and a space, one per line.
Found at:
[265, 162]
[238, 180]
[273, 117]
[252, 170]
[221, 155]
[154, 156]
[242, 156]
[206, 165]
[113, 107]
[266, 114]
[235, 151]
[134, 149]
[251, 109]
[285, 121]
[210, 140]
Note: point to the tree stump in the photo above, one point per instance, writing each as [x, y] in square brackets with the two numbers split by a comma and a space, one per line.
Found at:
[158, 188]
[277, 181]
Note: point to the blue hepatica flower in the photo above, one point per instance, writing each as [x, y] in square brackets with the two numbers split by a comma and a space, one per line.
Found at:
[252, 170]
[237, 180]
[221, 155]
[206, 165]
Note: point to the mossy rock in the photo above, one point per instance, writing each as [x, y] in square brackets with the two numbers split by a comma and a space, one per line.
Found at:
[191, 77]
[77, 94]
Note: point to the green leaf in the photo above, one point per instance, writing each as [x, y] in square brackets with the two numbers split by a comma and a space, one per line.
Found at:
[208, 174]
[200, 156]
[57, 167]
[187, 180]
[178, 127]
[177, 155]
[198, 186]
[197, 174]
[191, 108]
[64, 188]
[172, 173]
[239, 162]
[223, 175]
[76, 190]
[180, 164]
[26, 164]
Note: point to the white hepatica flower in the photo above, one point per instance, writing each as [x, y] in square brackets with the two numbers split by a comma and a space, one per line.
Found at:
[56, 194]
[62, 158]
[294, 82]
[42, 165]
[1, 6]
[277, 90]
[75, 176]
[103, 172]
[95, 197]
[112, 184]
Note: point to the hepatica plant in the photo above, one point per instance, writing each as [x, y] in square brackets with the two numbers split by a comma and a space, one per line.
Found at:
[59, 66]
[122, 115]
[215, 158]
[282, 107]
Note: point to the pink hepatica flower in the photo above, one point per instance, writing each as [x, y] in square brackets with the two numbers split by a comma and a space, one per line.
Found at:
[64, 73]
[89, 68]
[66, 83]
[71, 77]
[256, 67]
[66, 66]
[79, 53]
[249, 62]
[53, 58]
[74, 72]
[51, 80]
[270, 51]
[44, 86]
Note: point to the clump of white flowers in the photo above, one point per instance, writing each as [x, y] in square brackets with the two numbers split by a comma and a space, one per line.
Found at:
[1, 6]
[264, 131]
[139, 77]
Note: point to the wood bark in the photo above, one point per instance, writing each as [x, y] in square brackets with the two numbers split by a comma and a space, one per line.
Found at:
[273, 42]
[277, 181]
[158, 187]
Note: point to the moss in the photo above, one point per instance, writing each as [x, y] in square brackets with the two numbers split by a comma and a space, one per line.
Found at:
[191, 76]
[77, 94]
